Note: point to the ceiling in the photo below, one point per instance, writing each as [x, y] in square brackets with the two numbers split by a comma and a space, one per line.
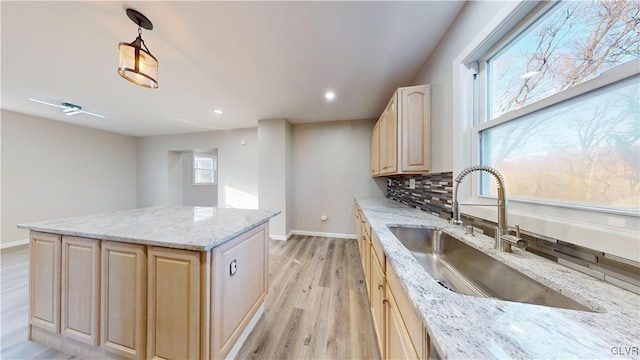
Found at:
[253, 60]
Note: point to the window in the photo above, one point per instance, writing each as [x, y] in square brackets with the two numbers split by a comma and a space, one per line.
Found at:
[204, 169]
[558, 107]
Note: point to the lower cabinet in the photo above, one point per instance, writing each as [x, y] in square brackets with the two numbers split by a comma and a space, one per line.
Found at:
[398, 342]
[239, 283]
[377, 299]
[173, 304]
[124, 288]
[400, 333]
[44, 281]
[105, 299]
[80, 289]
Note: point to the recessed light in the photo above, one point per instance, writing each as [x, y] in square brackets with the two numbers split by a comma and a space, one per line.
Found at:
[218, 111]
[330, 95]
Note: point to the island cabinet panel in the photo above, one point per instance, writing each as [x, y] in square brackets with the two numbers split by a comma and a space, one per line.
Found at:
[44, 284]
[124, 284]
[80, 289]
[240, 283]
[173, 304]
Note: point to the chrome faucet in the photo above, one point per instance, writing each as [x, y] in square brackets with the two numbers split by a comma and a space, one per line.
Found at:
[503, 240]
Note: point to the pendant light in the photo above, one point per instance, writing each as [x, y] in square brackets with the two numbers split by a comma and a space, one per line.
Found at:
[136, 62]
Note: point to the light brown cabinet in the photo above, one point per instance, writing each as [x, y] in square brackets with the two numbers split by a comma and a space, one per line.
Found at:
[401, 139]
[80, 289]
[44, 281]
[398, 342]
[377, 299]
[173, 303]
[240, 283]
[124, 288]
[388, 148]
[375, 150]
[103, 299]
[400, 332]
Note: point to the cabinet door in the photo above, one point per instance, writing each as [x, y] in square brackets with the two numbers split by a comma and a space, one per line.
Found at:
[123, 320]
[391, 137]
[240, 283]
[44, 281]
[173, 303]
[398, 344]
[383, 145]
[415, 124]
[366, 263]
[412, 325]
[80, 289]
[375, 152]
[377, 298]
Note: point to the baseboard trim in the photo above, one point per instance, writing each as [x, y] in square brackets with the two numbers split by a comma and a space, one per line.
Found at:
[11, 244]
[312, 233]
[323, 234]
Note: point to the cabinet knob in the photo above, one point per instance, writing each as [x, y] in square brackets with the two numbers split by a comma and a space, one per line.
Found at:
[385, 301]
[380, 286]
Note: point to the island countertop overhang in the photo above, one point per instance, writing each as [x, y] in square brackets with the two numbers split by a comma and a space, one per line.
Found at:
[180, 227]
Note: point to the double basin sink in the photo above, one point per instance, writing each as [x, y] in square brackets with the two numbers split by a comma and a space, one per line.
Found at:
[464, 269]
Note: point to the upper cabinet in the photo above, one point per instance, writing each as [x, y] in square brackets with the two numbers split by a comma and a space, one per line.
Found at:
[400, 141]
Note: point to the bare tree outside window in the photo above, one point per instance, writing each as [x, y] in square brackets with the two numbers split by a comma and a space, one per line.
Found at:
[583, 151]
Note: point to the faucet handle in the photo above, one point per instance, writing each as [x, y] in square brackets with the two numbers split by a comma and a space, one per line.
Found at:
[517, 230]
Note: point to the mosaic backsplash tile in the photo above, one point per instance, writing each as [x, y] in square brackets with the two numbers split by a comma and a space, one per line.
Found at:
[433, 193]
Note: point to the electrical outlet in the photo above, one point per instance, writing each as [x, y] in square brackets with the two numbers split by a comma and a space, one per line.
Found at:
[323, 217]
[412, 183]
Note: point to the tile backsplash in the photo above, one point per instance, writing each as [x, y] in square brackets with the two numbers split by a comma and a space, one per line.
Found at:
[433, 193]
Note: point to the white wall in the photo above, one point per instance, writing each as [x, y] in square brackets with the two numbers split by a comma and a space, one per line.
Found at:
[52, 170]
[197, 195]
[330, 168]
[437, 71]
[237, 166]
[274, 139]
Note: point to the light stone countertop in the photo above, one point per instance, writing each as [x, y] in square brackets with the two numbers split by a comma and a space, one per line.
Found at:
[467, 327]
[180, 227]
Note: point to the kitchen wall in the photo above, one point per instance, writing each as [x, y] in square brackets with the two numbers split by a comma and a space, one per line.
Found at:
[306, 168]
[330, 168]
[52, 170]
[181, 190]
[237, 165]
[437, 71]
[197, 195]
[275, 180]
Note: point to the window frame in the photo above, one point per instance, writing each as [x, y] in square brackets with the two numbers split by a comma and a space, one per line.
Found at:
[194, 169]
[614, 232]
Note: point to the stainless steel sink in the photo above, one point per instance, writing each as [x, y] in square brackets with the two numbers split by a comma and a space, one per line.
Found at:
[466, 270]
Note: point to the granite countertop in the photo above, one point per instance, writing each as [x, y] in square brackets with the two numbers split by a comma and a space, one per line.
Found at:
[181, 227]
[467, 327]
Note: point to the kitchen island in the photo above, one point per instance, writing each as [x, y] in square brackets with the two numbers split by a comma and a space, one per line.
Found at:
[160, 282]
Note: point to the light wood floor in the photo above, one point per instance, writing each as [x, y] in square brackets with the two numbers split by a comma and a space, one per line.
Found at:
[317, 307]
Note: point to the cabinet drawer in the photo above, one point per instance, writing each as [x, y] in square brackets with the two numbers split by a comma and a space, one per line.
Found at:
[377, 248]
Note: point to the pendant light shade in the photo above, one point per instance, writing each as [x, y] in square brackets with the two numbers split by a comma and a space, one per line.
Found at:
[136, 62]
